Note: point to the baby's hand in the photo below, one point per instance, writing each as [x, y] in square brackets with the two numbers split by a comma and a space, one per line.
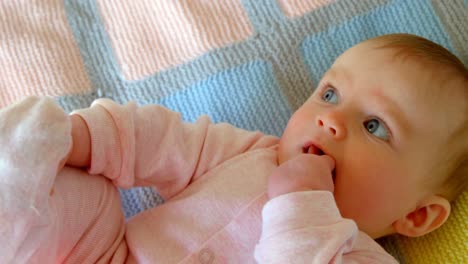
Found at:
[304, 172]
[80, 153]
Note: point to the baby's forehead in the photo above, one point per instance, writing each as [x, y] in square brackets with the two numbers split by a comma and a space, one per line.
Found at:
[429, 56]
[429, 82]
[432, 74]
[421, 93]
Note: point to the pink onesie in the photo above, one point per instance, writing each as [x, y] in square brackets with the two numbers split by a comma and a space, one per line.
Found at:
[212, 176]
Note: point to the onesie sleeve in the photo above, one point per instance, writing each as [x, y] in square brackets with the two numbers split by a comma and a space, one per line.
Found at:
[306, 227]
[35, 136]
[152, 146]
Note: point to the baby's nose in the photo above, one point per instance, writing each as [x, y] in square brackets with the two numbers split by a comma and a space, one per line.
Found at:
[333, 124]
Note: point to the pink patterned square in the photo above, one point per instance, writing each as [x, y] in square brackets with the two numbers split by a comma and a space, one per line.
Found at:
[149, 36]
[38, 54]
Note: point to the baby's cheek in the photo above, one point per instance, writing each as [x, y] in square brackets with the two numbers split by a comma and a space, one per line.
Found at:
[362, 204]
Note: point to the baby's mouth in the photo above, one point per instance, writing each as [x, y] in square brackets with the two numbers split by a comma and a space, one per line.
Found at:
[313, 149]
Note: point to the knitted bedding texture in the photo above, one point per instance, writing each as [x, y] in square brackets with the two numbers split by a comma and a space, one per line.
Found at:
[247, 62]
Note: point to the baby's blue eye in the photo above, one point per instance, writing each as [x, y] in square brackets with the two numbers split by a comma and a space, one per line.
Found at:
[376, 128]
[330, 96]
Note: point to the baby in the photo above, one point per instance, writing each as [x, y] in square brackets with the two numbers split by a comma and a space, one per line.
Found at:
[379, 148]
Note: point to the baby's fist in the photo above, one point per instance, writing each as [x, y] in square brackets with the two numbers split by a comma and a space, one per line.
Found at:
[304, 172]
[80, 153]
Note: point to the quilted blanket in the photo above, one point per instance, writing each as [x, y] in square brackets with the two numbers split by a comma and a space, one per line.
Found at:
[247, 62]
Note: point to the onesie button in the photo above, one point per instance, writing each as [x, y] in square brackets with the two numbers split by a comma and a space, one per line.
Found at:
[206, 256]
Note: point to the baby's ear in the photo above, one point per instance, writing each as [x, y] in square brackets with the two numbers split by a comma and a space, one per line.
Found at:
[430, 215]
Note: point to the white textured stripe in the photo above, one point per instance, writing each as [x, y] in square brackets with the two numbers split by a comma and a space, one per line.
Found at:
[295, 8]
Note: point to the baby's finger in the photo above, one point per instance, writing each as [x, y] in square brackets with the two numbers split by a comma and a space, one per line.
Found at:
[312, 162]
[328, 160]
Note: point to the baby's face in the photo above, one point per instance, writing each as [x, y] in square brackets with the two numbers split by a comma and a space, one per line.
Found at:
[384, 123]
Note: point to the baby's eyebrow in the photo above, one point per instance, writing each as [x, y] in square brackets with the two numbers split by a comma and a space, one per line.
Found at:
[385, 103]
[341, 74]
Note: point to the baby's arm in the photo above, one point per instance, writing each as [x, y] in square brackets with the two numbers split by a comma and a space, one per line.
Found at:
[34, 139]
[306, 227]
[302, 224]
[151, 145]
